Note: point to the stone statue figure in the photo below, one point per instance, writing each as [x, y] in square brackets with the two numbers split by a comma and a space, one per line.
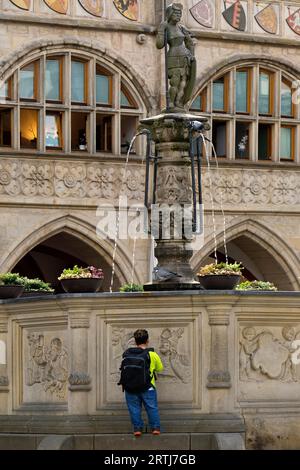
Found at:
[180, 61]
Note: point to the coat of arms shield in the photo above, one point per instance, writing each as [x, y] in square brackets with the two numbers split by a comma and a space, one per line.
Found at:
[128, 8]
[60, 6]
[203, 13]
[24, 4]
[293, 20]
[235, 15]
[95, 7]
[267, 19]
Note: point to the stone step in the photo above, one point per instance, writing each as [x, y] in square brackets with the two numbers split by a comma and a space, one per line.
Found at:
[124, 442]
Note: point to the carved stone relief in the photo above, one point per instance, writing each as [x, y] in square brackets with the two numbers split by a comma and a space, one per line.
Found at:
[70, 180]
[169, 345]
[265, 355]
[174, 185]
[4, 382]
[47, 364]
[253, 187]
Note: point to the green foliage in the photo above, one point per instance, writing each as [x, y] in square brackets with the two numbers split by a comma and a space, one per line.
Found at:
[132, 288]
[36, 285]
[216, 269]
[11, 279]
[30, 285]
[256, 285]
[81, 273]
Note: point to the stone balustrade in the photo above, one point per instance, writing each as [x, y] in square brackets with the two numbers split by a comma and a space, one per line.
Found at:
[223, 353]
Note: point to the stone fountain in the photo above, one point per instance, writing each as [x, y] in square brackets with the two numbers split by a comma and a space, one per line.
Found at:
[174, 182]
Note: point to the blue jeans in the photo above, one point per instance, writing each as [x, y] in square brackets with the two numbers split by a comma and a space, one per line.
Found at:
[134, 403]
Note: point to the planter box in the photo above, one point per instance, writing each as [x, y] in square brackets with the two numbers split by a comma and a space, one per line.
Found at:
[73, 286]
[11, 292]
[220, 282]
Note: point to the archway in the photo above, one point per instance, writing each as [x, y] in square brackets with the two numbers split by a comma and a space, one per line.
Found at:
[264, 255]
[62, 250]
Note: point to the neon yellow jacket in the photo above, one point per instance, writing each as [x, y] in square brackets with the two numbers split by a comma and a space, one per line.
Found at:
[155, 365]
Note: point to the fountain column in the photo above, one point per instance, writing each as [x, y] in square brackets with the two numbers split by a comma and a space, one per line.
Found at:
[171, 215]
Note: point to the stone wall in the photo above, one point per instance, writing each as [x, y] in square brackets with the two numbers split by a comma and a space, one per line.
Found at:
[222, 353]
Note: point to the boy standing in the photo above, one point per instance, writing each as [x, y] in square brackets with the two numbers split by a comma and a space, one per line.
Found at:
[138, 370]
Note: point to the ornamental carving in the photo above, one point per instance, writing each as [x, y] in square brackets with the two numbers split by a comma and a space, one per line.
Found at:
[4, 382]
[79, 379]
[168, 343]
[34, 178]
[263, 355]
[174, 185]
[47, 364]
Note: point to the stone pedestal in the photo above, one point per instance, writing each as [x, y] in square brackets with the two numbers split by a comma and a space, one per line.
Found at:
[171, 215]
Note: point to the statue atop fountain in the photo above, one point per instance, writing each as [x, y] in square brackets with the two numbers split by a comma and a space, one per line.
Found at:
[175, 133]
[180, 58]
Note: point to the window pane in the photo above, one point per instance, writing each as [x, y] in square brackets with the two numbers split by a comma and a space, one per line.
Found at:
[79, 132]
[5, 90]
[219, 138]
[27, 82]
[78, 82]
[264, 93]
[103, 133]
[53, 130]
[242, 92]
[196, 105]
[124, 101]
[286, 100]
[102, 89]
[218, 95]
[128, 130]
[52, 80]
[286, 143]
[242, 140]
[264, 142]
[28, 128]
[5, 127]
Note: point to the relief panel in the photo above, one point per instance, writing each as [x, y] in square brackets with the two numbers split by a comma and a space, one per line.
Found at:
[173, 344]
[268, 366]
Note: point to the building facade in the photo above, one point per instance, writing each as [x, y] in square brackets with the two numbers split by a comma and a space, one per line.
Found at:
[75, 78]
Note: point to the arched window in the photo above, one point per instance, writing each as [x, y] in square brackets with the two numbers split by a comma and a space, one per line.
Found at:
[252, 113]
[68, 102]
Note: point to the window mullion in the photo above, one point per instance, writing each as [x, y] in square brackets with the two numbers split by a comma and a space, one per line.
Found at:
[117, 119]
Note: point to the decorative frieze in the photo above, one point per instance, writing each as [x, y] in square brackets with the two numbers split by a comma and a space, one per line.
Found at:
[33, 178]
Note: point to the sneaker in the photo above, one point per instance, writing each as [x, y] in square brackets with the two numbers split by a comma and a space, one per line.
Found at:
[156, 432]
[137, 433]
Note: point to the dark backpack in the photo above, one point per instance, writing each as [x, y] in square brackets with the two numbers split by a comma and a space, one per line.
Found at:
[135, 370]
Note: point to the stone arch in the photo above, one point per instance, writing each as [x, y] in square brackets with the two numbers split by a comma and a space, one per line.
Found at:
[84, 231]
[34, 49]
[241, 60]
[273, 246]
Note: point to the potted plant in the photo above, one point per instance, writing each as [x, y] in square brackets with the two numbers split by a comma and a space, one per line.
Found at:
[220, 276]
[11, 286]
[256, 285]
[132, 288]
[80, 279]
[36, 287]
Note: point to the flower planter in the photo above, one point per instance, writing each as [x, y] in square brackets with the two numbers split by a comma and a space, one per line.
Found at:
[220, 282]
[73, 286]
[36, 294]
[11, 292]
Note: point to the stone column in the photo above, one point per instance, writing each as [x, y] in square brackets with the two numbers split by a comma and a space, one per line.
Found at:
[4, 379]
[219, 375]
[79, 379]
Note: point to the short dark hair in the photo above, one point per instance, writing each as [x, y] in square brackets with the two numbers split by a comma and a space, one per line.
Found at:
[141, 336]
